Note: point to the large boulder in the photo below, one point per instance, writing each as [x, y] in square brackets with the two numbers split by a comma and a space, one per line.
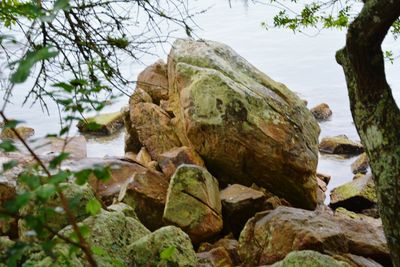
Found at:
[270, 236]
[309, 258]
[247, 127]
[168, 246]
[193, 202]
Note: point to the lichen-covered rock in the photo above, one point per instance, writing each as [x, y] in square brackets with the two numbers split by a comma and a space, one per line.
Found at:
[154, 128]
[270, 236]
[23, 131]
[56, 217]
[322, 112]
[247, 127]
[172, 159]
[240, 203]
[5, 245]
[154, 81]
[356, 195]
[110, 232]
[106, 124]
[340, 144]
[168, 246]
[216, 257]
[309, 258]
[140, 187]
[361, 164]
[123, 208]
[193, 202]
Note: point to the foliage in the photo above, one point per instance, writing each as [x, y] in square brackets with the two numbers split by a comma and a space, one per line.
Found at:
[71, 52]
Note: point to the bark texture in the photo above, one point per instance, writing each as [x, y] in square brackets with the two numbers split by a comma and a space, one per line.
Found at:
[374, 110]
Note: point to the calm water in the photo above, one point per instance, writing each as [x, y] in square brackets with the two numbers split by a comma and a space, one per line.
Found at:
[305, 64]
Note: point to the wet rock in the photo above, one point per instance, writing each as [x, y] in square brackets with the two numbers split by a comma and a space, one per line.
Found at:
[270, 236]
[216, 257]
[225, 108]
[154, 81]
[154, 128]
[56, 217]
[324, 177]
[106, 124]
[111, 232]
[23, 131]
[193, 203]
[361, 164]
[357, 195]
[240, 203]
[340, 144]
[169, 161]
[322, 112]
[50, 147]
[138, 186]
[309, 258]
[168, 246]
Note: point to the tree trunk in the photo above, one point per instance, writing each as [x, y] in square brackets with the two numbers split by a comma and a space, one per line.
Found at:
[375, 113]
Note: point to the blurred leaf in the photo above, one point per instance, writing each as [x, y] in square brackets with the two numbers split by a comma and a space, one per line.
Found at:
[45, 191]
[59, 177]
[61, 5]
[7, 146]
[9, 165]
[11, 124]
[55, 162]
[29, 60]
[17, 203]
[102, 173]
[32, 181]
[82, 176]
[93, 206]
[167, 253]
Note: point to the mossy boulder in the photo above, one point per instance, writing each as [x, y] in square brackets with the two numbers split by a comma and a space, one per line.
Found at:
[193, 202]
[103, 124]
[167, 247]
[77, 196]
[309, 258]
[356, 195]
[247, 127]
[110, 233]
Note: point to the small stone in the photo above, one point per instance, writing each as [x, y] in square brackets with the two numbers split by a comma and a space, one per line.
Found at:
[324, 177]
[216, 257]
[309, 258]
[322, 112]
[108, 123]
[361, 164]
[143, 157]
[340, 144]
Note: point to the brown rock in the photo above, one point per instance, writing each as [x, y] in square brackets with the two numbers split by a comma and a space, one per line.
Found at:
[216, 257]
[361, 164]
[324, 177]
[23, 131]
[165, 105]
[143, 157]
[240, 203]
[271, 235]
[193, 203]
[322, 112]
[154, 129]
[357, 261]
[52, 146]
[169, 161]
[154, 81]
[134, 184]
[340, 144]
[229, 244]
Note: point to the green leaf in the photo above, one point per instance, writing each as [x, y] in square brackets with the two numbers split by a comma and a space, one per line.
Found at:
[7, 146]
[17, 203]
[29, 60]
[61, 5]
[59, 177]
[9, 165]
[82, 176]
[167, 253]
[93, 126]
[32, 181]
[11, 124]
[102, 173]
[98, 251]
[55, 162]
[93, 206]
[45, 191]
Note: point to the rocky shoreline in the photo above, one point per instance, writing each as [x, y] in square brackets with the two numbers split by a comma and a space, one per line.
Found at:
[219, 170]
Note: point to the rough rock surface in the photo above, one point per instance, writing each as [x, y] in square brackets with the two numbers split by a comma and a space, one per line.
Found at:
[240, 203]
[154, 128]
[309, 258]
[193, 202]
[247, 127]
[228, 243]
[24, 132]
[168, 246]
[270, 236]
[361, 164]
[170, 160]
[216, 257]
[340, 144]
[356, 195]
[154, 81]
[108, 123]
[322, 112]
